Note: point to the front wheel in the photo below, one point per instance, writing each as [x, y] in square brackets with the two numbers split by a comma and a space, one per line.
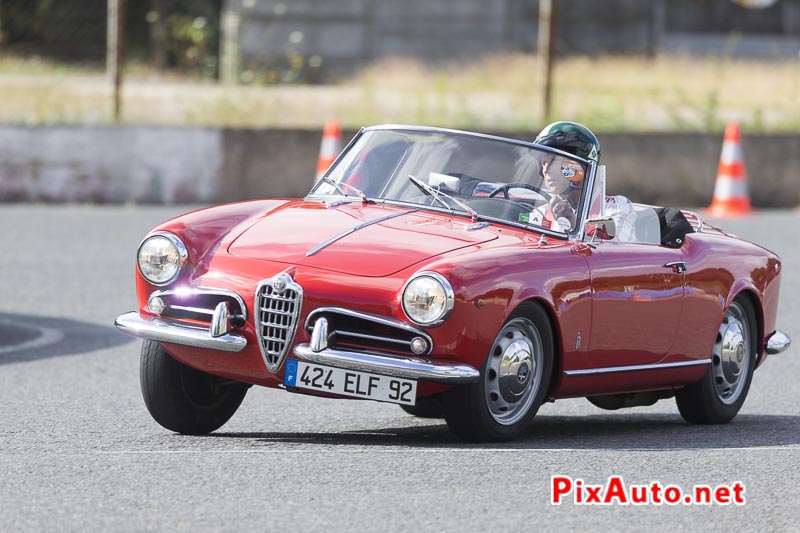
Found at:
[183, 399]
[717, 398]
[513, 383]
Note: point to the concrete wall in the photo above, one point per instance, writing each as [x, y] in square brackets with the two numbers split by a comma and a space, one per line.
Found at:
[680, 169]
[109, 164]
[205, 165]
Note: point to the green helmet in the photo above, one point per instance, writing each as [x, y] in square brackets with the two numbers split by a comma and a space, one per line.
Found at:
[570, 137]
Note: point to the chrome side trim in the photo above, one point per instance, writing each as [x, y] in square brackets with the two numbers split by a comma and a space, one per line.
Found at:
[162, 330]
[778, 342]
[345, 233]
[386, 321]
[634, 368]
[395, 366]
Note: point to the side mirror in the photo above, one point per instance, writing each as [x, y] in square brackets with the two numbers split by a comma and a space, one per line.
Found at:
[601, 228]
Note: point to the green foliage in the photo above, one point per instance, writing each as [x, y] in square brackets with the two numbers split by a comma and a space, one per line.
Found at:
[190, 43]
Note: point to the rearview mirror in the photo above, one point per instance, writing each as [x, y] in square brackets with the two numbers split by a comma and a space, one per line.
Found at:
[601, 228]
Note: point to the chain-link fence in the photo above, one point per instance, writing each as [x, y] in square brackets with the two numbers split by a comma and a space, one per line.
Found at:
[188, 35]
[239, 62]
[159, 34]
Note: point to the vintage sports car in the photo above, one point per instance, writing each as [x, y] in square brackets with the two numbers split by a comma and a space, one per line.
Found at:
[426, 269]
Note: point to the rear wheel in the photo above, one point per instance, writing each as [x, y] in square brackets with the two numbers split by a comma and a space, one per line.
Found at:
[717, 398]
[513, 382]
[183, 399]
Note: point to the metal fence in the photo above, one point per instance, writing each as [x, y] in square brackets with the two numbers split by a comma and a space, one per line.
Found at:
[243, 40]
[58, 56]
[159, 34]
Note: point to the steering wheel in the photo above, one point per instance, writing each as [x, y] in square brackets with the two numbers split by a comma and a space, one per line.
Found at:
[518, 185]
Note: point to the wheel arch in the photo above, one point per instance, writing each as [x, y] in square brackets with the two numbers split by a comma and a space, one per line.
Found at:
[751, 296]
[555, 375]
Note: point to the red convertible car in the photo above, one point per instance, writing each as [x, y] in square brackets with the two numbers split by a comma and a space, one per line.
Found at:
[429, 268]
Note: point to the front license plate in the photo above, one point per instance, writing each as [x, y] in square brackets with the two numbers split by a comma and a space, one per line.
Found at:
[350, 383]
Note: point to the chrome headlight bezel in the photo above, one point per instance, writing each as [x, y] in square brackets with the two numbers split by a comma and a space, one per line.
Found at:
[180, 249]
[449, 296]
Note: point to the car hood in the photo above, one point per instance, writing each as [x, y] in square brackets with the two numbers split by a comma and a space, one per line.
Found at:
[363, 239]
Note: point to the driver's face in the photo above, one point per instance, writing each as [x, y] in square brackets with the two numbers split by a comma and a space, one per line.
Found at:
[555, 182]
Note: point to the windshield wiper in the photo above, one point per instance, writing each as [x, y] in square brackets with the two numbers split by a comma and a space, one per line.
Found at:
[336, 185]
[437, 195]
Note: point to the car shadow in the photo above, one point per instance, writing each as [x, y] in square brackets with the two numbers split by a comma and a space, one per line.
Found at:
[33, 338]
[633, 432]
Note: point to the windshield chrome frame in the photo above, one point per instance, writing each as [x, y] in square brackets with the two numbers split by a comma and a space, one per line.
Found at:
[576, 234]
[336, 161]
[586, 197]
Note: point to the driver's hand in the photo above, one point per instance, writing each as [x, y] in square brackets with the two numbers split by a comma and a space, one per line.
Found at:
[561, 207]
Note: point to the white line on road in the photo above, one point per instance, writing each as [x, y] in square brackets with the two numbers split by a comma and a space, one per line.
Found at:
[47, 336]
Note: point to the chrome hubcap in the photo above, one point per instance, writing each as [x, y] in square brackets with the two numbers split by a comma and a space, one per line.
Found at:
[513, 371]
[731, 360]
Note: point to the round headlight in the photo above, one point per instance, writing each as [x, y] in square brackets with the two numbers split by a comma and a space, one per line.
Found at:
[428, 298]
[161, 257]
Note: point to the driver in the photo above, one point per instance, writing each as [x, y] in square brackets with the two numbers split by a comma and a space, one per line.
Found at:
[563, 178]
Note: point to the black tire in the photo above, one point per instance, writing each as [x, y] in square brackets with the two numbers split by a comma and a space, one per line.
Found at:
[428, 407]
[708, 401]
[183, 399]
[475, 412]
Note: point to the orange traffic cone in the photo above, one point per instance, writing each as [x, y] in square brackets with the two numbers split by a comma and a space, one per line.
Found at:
[730, 192]
[331, 145]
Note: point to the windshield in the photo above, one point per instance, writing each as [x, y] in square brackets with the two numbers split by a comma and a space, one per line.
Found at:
[477, 176]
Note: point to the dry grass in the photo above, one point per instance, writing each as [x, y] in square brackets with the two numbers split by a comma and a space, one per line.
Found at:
[502, 92]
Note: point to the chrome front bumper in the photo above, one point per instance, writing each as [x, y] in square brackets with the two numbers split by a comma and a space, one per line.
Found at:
[163, 330]
[778, 342]
[395, 366]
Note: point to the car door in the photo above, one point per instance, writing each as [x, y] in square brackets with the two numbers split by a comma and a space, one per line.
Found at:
[637, 300]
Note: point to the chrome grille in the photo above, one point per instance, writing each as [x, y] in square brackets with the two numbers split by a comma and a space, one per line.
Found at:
[356, 330]
[198, 303]
[277, 318]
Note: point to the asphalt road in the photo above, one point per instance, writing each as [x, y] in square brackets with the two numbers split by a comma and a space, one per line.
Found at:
[78, 450]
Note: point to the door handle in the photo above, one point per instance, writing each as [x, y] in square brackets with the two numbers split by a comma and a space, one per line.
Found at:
[679, 267]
